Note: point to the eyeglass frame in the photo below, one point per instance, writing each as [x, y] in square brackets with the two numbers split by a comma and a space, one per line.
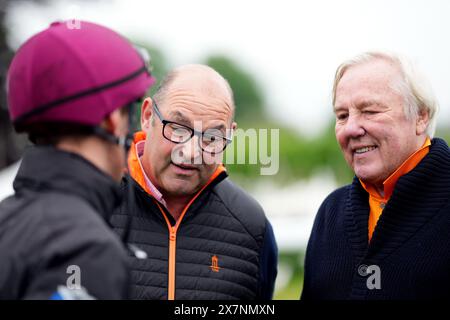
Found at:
[193, 132]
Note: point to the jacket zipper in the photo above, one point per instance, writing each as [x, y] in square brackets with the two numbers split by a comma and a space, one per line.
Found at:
[172, 258]
[173, 235]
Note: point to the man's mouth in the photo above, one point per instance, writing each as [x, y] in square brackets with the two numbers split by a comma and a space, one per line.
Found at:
[184, 166]
[362, 150]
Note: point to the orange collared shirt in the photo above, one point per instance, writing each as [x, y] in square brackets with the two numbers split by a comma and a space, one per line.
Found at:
[377, 202]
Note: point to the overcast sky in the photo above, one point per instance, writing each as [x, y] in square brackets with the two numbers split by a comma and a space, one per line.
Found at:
[292, 47]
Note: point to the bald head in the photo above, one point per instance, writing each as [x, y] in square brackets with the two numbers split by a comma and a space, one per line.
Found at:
[196, 78]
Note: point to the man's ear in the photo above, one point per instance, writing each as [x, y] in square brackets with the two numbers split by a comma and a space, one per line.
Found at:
[146, 113]
[234, 126]
[115, 124]
[422, 122]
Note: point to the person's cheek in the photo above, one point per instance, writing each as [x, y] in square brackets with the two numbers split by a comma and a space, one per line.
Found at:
[341, 141]
[213, 159]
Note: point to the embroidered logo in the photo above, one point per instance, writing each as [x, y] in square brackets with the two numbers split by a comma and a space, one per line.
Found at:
[215, 264]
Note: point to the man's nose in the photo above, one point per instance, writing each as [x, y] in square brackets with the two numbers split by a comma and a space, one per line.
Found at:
[191, 150]
[354, 127]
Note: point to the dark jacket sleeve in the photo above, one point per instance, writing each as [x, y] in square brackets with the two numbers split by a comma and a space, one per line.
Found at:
[268, 264]
[74, 248]
[98, 267]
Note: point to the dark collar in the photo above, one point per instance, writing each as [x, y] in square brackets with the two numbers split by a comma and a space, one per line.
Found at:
[45, 168]
[417, 197]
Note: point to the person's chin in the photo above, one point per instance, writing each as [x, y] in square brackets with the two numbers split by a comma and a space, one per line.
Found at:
[182, 185]
[366, 174]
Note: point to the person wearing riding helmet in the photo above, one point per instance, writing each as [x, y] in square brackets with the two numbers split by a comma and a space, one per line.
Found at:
[71, 90]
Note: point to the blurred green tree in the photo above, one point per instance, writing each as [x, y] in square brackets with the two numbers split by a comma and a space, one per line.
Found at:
[248, 97]
[300, 157]
[11, 144]
[159, 63]
[444, 133]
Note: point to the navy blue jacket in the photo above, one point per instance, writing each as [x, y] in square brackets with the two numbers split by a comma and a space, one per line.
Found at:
[410, 247]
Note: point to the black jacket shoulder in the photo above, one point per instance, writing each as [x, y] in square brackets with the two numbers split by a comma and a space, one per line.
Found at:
[243, 206]
[42, 238]
[54, 224]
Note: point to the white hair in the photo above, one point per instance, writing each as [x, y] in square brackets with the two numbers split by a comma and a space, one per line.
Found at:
[414, 87]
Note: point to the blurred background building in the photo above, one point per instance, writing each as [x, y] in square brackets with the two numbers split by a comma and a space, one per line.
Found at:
[279, 58]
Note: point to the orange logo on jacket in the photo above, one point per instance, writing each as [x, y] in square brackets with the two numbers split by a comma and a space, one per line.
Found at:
[214, 264]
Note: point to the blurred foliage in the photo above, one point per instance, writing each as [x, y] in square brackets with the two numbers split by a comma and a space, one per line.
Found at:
[159, 64]
[443, 133]
[290, 267]
[299, 157]
[247, 93]
[159, 68]
[11, 143]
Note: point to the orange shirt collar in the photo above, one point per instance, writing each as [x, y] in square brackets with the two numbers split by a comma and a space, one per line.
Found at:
[408, 165]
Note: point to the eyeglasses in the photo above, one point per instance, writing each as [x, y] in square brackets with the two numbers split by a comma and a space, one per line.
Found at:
[177, 133]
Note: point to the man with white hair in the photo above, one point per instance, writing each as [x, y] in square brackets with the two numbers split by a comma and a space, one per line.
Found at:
[386, 235]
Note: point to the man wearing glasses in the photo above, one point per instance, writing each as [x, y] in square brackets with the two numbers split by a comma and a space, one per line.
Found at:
[201, 235]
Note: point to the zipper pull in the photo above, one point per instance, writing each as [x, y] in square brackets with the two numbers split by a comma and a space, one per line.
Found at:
[173, 234]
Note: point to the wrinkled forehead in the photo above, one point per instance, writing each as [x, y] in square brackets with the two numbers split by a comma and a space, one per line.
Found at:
[380, 71]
